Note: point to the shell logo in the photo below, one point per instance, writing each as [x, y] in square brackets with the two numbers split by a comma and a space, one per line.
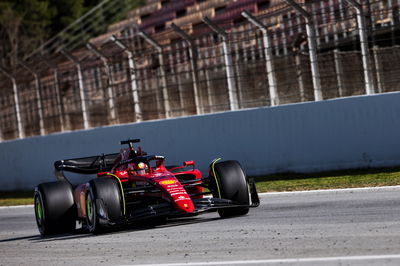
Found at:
[168, 182]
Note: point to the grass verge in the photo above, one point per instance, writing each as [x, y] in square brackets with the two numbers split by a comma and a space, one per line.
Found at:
[11, 198]
[329, 180]
[279, 182]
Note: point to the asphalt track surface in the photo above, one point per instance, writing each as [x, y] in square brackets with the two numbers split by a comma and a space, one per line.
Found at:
[340, 227]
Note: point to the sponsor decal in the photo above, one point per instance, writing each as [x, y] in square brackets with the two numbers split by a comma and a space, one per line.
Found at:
[168, 182]
[158, 174]
[122, 173]
[173, 187]
[181, 199]
[174, 194]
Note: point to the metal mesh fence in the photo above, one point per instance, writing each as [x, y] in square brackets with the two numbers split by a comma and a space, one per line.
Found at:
[173, 77]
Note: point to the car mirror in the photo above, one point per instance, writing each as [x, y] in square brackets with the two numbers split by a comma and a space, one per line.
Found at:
[188, 163]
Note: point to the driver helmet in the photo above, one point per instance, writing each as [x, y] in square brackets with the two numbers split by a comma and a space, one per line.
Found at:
[142, 168]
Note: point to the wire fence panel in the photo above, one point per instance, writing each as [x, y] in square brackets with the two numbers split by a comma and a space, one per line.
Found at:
[29, 107]
[163, 75]
[388, 73]
[50, 104]
[8, 120]
[70, 97]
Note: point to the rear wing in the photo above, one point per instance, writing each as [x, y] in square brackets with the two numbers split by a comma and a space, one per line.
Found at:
[87, 165]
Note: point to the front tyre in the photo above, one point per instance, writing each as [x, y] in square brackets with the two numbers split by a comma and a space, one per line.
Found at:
[230, 182]
[55, 210]
[103, 203]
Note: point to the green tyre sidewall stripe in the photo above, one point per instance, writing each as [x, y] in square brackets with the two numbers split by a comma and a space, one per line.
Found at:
[91, 215]
[122, 191]
[215, 176]
[39, 211]
[89, 206]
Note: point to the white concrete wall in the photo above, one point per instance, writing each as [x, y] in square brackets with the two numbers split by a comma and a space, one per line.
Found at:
[336, 134]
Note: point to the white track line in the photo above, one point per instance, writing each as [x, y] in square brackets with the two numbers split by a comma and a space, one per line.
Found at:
[272, 261]
[16, 207]
[332, 190]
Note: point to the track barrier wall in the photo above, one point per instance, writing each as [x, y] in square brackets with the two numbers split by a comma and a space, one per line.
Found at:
[354, 132]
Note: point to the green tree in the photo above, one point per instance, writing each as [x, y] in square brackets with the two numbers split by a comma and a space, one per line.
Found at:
[67, 11]
[10, 23]
[36, 23]
[24, 24]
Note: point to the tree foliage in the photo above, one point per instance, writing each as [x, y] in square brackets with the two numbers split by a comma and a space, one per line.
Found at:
[26, 24]
[67, 12]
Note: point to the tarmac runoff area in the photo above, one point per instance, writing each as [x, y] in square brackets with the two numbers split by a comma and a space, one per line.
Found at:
[330, 227]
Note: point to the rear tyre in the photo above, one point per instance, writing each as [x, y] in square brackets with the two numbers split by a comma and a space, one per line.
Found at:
[55, 210]
[103, 203]
[230, 182]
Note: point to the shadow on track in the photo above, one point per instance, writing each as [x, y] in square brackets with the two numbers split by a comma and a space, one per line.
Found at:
[149, 225]
[78, 233]
[34, 237]
[134, 227]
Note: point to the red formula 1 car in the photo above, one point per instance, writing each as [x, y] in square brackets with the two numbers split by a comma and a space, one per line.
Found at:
[130, 186]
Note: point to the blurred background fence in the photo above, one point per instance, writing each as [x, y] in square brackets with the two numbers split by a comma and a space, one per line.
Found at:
[136, 72]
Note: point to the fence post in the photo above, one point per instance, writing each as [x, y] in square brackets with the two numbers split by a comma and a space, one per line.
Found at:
[232, 89]
[77, 63]
[193, 62]
[339, 72]
[58, 94]
[21, 133]
[133, 78]
[207, 80]
[178, 79]
[38, 96]
[300, 78]
[152, 42]
[273, 88]
[379, 71]
[237, 63]
[366, 59]
[312, 47]
[110, 91]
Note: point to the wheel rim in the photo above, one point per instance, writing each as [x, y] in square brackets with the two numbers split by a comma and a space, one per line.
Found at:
[39, 213]
[89, 207]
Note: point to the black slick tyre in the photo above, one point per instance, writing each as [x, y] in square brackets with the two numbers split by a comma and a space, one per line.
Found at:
[55, 210]
[231, 183]
[103, 203]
